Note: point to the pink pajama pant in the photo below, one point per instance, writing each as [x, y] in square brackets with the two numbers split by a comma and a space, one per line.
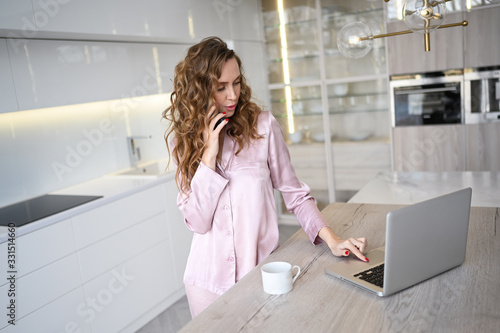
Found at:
[199, 299]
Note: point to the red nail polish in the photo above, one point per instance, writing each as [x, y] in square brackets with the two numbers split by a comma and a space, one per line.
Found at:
[223, 113]
[227, 119]
[366, 259]
[346, 253]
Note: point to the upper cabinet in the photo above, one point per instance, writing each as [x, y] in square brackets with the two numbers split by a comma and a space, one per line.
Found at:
[406, 53]
[153, 20]
[55, 73]
[7, 91]
[482, 47]
[16, 15]
[62, 52]
[473, 46]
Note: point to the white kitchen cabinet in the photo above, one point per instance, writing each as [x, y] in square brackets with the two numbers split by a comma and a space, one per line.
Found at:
[39, 249]
[117, 216]
[123, 246]
[66, 314]
[356, 163]
[7, 91]
[48, 281]
[44, 285]
[154, 20]
[16, 18]
[180, 235]
[54, 73]
[109, 269]
[118, 297]
[130, 267]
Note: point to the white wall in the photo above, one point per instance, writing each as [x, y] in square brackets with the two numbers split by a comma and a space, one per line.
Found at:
[85, 74]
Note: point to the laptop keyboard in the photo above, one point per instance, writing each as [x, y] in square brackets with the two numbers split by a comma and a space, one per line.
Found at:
[374, 275]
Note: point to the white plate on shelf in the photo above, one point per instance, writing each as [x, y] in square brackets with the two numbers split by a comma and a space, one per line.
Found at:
[359, 136]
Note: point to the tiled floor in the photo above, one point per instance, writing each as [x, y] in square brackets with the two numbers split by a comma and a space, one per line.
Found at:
[176, 316]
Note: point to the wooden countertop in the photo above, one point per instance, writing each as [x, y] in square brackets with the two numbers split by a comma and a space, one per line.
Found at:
[464, 299]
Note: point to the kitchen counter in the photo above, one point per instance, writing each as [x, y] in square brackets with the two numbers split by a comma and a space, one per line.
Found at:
[460, 300]
[111, 187]
[411, 187]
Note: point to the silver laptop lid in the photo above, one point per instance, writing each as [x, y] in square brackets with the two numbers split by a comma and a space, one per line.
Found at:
[425, 239]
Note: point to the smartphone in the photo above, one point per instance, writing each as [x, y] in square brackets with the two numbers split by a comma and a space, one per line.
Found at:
[218, 122]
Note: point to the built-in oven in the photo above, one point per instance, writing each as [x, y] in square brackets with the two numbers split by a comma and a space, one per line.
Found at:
[425, 99]
[482, 95]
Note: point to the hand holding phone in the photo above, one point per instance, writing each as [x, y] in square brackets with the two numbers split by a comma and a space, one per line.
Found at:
[218, 122]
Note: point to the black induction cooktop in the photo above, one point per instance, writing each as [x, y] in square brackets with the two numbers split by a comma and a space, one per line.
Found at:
[31, 210]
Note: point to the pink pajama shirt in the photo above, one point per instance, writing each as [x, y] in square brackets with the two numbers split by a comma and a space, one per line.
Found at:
[232, 211]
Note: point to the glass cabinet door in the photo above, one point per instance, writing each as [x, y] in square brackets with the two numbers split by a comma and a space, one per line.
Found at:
[292, 42]
[300, 115]
[335, 15]
[301, 119]
[359, 110]
[333, 110]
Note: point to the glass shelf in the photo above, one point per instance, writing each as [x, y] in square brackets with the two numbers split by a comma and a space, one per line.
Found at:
[290, 24]
[333, 15]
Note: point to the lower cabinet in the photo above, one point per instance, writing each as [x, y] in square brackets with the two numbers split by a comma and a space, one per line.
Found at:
[471, 147]
[123, 294]
[483, 153]
[354, 164]
[58, 316]
[180, 235]
[430, 148]
[111, 269]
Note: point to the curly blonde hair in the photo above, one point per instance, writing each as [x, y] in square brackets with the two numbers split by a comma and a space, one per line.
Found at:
[195, 83]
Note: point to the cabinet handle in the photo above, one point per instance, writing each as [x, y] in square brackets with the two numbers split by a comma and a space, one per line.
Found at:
[422, 91]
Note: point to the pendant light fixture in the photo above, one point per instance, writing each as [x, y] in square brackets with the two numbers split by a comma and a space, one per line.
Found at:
[355, 39]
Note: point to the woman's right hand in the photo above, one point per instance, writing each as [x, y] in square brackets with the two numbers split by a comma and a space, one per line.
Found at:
[211, 137]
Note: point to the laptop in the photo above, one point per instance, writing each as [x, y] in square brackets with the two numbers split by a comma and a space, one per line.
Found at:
[422, 240]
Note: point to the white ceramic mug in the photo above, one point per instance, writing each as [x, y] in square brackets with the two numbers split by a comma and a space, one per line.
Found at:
[277, 277]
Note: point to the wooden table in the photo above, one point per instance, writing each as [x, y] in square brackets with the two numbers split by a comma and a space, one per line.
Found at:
[464, 299]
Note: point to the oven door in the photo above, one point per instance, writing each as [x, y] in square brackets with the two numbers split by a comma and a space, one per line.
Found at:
[482, 96]
[427, 101]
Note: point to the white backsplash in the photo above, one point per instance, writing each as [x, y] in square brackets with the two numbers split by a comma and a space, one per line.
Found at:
[48, 149]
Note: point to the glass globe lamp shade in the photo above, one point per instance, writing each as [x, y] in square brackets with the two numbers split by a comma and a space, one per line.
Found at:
[424, 16]
[351, 40]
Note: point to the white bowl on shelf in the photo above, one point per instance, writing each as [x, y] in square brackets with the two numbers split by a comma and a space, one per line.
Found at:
[359, 136]
[318, 137]
[341, 89]
[295, 137]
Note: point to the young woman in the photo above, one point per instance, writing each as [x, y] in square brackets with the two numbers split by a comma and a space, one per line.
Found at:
[230, 156]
